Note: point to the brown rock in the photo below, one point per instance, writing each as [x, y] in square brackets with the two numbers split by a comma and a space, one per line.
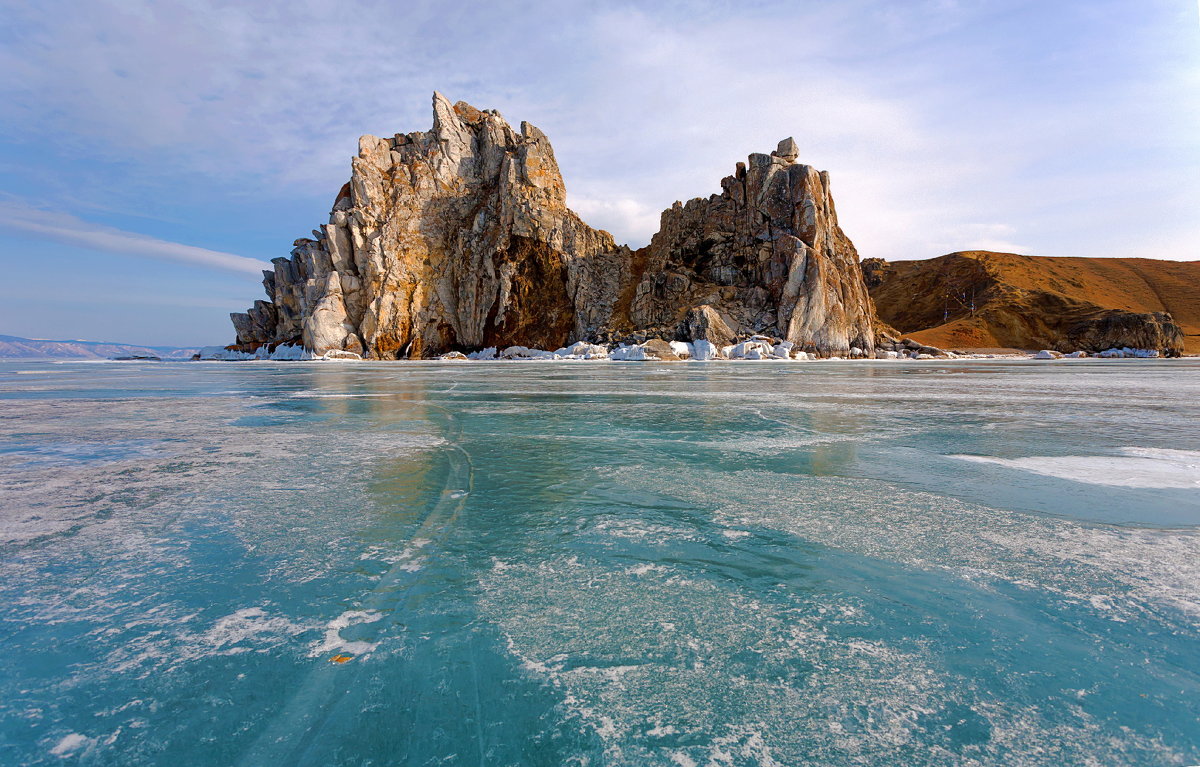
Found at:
[1115, 329]
[661, 349]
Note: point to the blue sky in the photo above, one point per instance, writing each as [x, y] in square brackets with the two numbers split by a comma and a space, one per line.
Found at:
[153, 152]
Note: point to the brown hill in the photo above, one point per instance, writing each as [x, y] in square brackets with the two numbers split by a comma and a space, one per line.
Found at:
[980, 299]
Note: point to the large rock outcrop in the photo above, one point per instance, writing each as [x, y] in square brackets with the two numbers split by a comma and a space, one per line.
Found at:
[981, 299]
[455, 238]
[766, 255]
[459, 238]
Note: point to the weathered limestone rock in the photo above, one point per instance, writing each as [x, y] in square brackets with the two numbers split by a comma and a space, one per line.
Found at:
[459, 239]
[767, 253]
[703, 323]
[329, 326]
[455, 238]
[257, 325]
[787, 150]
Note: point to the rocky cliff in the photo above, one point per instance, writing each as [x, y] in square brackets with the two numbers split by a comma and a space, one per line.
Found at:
[764, 256]
[980, 299]
[459, 238]
[454, 238]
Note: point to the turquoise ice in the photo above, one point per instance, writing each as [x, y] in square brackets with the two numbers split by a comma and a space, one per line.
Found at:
[858, 563]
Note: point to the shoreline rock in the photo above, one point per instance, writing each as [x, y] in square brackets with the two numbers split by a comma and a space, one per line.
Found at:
[458, 239]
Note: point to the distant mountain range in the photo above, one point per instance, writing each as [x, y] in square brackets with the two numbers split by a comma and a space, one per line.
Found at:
[17, 348]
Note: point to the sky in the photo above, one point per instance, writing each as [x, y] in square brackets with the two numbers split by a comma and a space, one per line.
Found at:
[154, 156]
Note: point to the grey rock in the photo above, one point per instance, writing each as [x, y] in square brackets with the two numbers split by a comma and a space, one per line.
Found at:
[787, 150]
[704, 323]
[460, 238]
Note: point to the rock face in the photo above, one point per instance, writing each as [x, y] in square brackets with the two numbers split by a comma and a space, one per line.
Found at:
[980, 299]
[764, 256]
[1118, 329]
[453, 239]
[459, 239]
[703, 323]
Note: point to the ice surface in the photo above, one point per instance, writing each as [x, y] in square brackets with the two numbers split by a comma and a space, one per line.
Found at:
[682, 349]
[703, 350]
[521, 563]
[70, 744]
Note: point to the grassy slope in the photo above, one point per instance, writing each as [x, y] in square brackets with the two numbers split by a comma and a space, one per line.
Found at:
[1017, 298]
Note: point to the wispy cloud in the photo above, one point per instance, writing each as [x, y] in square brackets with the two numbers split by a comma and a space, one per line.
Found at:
[931, 115]
[67, 229]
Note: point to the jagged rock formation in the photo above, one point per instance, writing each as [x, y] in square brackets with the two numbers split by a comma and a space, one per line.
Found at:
[459, 238]
[766, 256]
[979, 299]
[452, 239]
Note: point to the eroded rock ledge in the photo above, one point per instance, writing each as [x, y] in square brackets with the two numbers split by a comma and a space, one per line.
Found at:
[459, 238]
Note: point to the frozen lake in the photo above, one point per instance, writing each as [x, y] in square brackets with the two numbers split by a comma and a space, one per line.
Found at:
[831, 563]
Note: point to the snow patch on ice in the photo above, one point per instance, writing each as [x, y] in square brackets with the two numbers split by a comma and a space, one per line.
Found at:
[70, 744]
[240, 631]
[408, 560]
[334, 641]
[1138, 467]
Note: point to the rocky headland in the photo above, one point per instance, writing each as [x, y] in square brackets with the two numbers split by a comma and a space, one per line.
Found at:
[457, 243]
[459, 239]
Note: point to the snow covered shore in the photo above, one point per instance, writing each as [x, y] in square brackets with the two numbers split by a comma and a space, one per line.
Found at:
[281, 353]
[754, 348]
